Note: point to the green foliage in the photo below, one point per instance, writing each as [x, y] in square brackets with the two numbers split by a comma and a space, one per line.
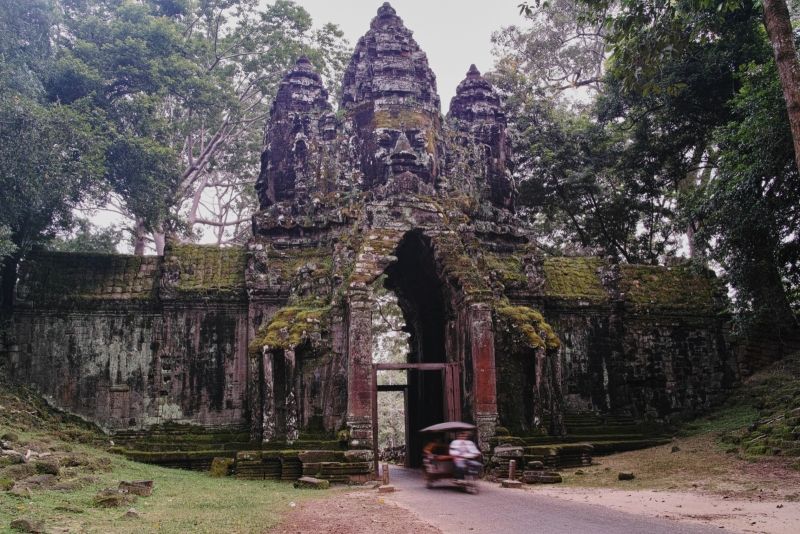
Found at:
[51, 157]
[87, 238]
[751, 209]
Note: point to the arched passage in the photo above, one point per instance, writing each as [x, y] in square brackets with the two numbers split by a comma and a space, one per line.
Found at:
[423, 300]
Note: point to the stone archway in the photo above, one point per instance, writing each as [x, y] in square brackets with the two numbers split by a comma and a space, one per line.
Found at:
[448, 325]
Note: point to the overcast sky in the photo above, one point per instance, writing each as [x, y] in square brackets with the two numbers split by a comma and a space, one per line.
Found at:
[454, 33]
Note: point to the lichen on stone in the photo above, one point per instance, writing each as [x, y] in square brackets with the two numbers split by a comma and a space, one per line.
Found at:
[527, 325]
[292, 326]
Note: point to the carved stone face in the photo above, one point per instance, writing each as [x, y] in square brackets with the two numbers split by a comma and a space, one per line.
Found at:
[394, 142]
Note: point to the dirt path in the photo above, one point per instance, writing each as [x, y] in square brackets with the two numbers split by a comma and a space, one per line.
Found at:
[414, 509]
[352, 512]
[765, 516]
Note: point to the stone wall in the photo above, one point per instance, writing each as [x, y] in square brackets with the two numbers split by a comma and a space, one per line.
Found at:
[648, 342]
[131, 342]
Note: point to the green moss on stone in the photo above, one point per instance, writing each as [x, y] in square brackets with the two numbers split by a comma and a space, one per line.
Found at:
[527, 325]
[575, 278]
[508, 267]
[63, 277]
[680, 288]
[207, 269]
[292, 326]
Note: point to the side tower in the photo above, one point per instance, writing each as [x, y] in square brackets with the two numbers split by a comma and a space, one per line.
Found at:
[300, 128]
[478, 117]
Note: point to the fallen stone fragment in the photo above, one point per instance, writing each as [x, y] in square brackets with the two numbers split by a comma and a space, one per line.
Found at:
[11, 457]
[142, 488]
[20, 492]
[47, 467]
[68, 509]
[19, 471]
[131, 514]
[9, 437]
[38, 481]
[27, 525]
[513, 484]
[112, 498]
[221, 467]
[626, 475]
[675, 448]
[386, 488]
[311, 483]
[541, 477]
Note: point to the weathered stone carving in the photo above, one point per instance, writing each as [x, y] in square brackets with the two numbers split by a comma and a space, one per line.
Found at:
[275, 338]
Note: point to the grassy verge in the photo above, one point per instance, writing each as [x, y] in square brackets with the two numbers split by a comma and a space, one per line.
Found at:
[182, 501]
[748, 447]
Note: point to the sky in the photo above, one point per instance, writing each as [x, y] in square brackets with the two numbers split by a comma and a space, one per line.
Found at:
[453, 33]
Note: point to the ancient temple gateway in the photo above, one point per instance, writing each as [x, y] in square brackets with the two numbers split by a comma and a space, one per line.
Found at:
[275, 339]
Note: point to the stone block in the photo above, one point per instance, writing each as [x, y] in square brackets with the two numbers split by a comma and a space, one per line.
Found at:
[505, 451]
[49, 467]
[513, 484]
[27, 525]
[626, 475]
[221, 467]
[360, 455]
[311, 483]
[142, 488]
[112, 498]
[386, 488]
[541, 477]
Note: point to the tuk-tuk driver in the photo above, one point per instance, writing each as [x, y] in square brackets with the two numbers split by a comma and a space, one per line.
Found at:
[464, 453]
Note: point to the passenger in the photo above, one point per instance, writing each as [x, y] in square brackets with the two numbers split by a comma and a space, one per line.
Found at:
[465, 454]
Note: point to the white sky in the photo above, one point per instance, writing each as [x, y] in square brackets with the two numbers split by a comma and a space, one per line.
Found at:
[453, 33]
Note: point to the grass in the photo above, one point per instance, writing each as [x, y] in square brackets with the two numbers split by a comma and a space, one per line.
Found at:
[182, 501]
[748, 447]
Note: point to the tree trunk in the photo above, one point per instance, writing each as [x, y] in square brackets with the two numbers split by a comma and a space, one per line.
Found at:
[8, 282]
[779, 30]
[139, 237]
[160, 240]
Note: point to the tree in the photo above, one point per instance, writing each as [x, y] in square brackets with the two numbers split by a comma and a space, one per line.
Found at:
[185, 89]
[86, 237]
[51, 158]
[779, 29]
[558, 50]
[751, 208]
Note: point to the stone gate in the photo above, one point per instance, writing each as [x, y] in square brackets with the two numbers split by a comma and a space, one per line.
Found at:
[274, 339]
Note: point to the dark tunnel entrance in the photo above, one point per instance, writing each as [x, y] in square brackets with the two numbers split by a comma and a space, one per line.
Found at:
[421, 298]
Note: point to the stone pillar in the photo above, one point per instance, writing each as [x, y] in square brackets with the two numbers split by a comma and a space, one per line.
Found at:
[268, 429]
[485, 384]
[359, 370]
[292, 413]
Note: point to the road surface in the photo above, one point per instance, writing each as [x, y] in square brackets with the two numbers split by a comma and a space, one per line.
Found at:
[498, 510]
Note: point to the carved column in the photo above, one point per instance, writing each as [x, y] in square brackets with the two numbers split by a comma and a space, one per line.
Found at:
[268, 429]
[359, 370]
[485, 382]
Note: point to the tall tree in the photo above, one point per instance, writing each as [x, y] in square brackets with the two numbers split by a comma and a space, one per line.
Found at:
[51, 158]
[779, 29]
[186, 84]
